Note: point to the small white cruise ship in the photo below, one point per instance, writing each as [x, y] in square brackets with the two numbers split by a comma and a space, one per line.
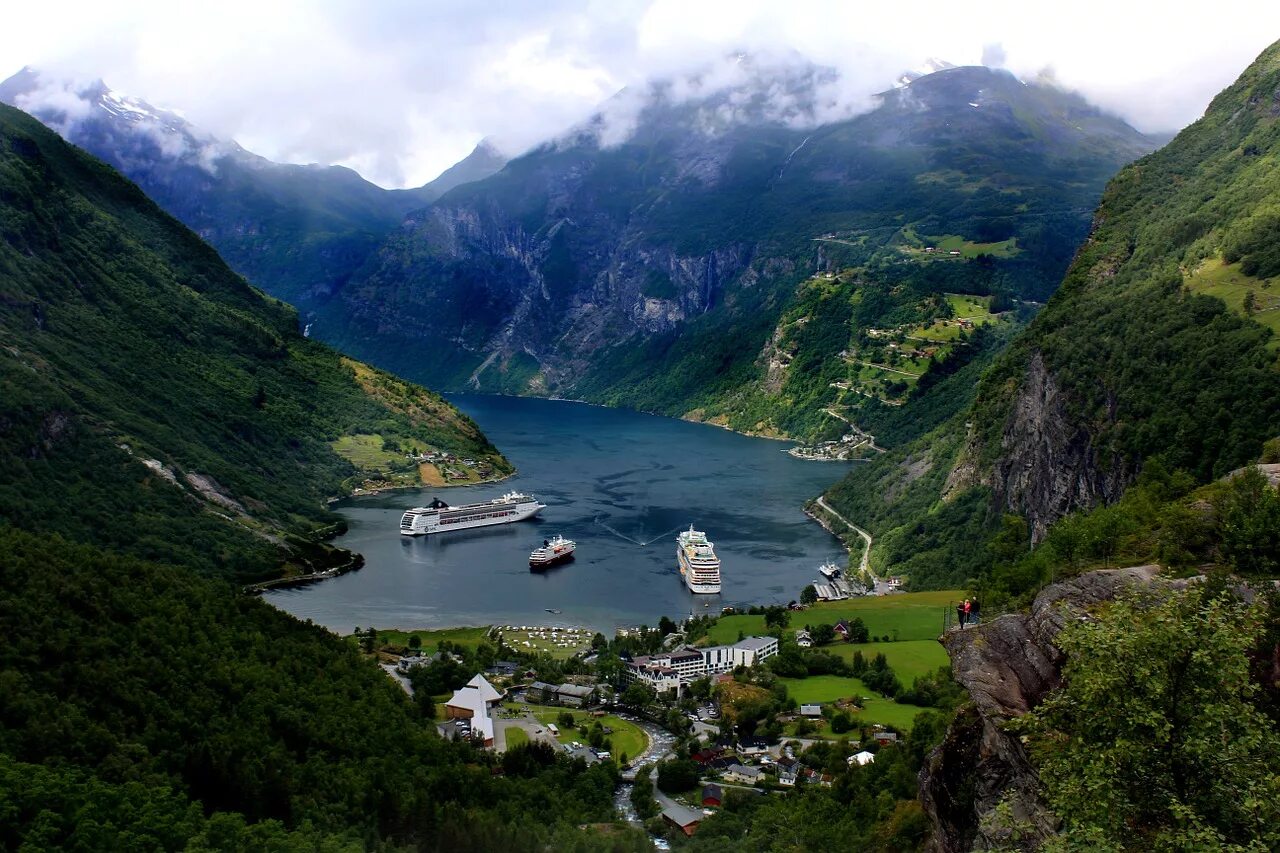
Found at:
[829, 570]
[439, 517]
[554, 551]
[698, 561]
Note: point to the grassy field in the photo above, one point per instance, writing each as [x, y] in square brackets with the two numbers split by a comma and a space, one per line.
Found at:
[913, 615]
[469, 637]
[628, 738]
[1228, 283]
[968, 249]
[828, 688]
[516, 736]
[935, 340]
[472, 637]
[366, 453]
[543, 639]
[910, 659]
[944, 244]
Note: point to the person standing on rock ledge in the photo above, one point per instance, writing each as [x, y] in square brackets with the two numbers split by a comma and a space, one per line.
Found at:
[960, 614]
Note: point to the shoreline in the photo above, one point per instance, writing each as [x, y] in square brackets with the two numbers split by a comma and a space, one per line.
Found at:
[420, 486]
[685, 417]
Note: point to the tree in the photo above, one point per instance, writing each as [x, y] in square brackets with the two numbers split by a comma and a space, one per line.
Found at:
[858, 632]
[678, 775]
[1105, 528]
[1154, 740]
[415, 642]
[1067, 540]
[1250, 302]
[1012, 541]
[823, 634]
[642, 794]
[565, 720]
[808, 595]
[841, 723]
[638, 695]
[1249, 523]
[426, 707]
[666, 626]
[776, 617]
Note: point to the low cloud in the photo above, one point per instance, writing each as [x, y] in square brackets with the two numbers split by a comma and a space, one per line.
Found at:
[66, 103]
[399, 90]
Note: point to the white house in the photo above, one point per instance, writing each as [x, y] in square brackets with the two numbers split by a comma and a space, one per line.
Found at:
[803, 640]
[862, 759]
[472, 702]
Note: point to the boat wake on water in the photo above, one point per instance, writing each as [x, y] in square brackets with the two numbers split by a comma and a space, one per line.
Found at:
[633, 541]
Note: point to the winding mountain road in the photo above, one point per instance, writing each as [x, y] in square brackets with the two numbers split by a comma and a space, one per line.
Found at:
[865, 565]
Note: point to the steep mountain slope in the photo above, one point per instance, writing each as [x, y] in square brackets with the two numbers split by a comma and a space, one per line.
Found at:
[152, 403]
[155, 402]
[1159, 345]
[650, 268]
[298, 232]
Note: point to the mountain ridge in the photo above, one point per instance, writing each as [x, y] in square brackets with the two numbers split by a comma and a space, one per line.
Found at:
[581, 266]
[1158, 347]
[297, 231]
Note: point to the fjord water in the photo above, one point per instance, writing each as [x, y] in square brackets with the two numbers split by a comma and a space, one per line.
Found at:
[619, 483]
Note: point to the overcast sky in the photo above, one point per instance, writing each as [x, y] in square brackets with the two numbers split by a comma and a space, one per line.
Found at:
[401, 89]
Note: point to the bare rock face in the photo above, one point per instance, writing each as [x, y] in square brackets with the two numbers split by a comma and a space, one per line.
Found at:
[1008, 666]
[1047, 465]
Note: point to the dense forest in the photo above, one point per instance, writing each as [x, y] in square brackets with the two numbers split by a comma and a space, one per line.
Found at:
[146, 708]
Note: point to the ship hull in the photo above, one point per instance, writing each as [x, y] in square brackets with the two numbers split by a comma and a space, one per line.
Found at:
[558, 560]
[698, 587]
[521, 513]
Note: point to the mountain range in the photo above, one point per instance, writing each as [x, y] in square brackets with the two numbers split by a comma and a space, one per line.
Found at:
[166, 428]
[298, 232]
[651, 270]
[671, 230]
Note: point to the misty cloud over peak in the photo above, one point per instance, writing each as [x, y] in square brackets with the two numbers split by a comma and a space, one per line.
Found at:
[400, 91]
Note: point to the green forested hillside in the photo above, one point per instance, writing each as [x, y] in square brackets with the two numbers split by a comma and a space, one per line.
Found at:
[1159, 346]
[145, 708]
[155, 406]
[153, 400]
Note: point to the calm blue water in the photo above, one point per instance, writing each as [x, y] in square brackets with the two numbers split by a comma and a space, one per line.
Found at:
[622, 485]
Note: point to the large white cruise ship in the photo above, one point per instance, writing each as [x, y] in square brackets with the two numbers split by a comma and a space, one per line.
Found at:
[439, 517]
[698, 561]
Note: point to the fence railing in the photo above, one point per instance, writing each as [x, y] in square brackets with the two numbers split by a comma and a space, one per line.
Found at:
[951, 615]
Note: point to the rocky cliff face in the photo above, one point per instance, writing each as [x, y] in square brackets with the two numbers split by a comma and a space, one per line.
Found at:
[1140, 354]
[979, 784]
[1048, 464]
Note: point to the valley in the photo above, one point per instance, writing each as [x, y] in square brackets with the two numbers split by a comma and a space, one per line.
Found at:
[973, 385]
